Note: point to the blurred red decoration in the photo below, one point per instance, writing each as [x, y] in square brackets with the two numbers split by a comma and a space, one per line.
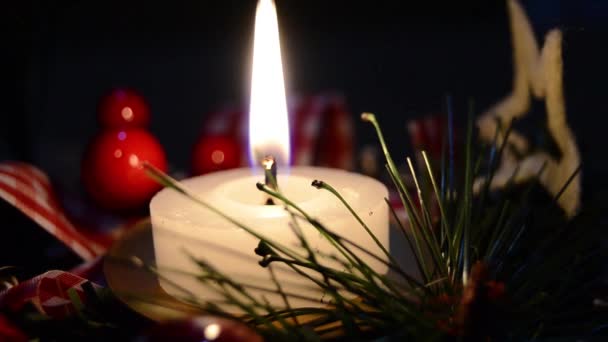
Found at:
[214, 153]
[9, 333]
[123, 108]
[322, 132]
[427, 134]
[112, 168]
[335, 139]
[48, 293]
[204, 328]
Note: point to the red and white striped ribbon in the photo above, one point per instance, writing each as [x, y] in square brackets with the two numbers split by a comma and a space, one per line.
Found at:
[29, 190]
[48, 293]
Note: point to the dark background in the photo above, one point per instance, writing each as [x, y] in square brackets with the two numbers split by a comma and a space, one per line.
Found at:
[188, 58]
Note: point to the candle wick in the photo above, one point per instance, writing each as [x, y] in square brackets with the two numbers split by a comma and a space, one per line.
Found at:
[270, 176]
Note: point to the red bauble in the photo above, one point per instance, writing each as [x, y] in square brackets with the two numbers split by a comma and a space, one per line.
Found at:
[112, 171]
[123, 108]
[214, 153]
[204, 328]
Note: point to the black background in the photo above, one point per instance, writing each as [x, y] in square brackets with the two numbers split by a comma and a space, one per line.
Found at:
[188, 58]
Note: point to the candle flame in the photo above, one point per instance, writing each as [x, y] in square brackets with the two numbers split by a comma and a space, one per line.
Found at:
[268, 122]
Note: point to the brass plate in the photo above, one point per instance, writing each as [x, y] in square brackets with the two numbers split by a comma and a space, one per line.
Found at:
[137, 287]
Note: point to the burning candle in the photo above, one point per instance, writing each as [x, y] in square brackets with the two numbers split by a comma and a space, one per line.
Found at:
[182, 228]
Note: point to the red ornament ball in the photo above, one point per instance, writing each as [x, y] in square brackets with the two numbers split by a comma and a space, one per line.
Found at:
[112, 170]
[203, 328]
[123, 108]
[214, 153]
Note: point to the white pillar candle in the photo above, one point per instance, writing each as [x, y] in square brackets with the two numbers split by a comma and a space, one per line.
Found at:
[180, 226]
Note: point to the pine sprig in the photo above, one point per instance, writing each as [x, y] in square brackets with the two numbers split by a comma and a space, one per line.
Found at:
[487, 254]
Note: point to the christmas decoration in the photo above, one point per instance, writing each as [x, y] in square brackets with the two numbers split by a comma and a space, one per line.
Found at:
[29, 189]
[112, 172]
[215, 153]
[538, 75]
[111, 166]
[48, 292]
[123, 108]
